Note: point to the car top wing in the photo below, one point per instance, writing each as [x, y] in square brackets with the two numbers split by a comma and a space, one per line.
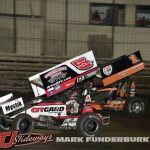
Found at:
[121, 67]
[65, 75]
[9, 104]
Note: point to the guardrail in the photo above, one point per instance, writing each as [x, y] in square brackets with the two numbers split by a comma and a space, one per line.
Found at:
[15, 70]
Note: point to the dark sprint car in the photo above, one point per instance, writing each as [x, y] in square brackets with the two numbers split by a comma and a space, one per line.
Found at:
[64, 100]
[121, 93]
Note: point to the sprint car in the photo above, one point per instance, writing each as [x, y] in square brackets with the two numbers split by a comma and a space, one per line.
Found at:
[54, 106]
[63, 99]
[115, 87]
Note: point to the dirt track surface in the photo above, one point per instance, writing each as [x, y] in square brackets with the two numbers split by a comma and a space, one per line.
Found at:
[120, 125]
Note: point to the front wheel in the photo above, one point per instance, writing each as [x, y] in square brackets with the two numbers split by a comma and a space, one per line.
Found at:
[135, 107]
[4, 125]
[89, 124]
[23, 123]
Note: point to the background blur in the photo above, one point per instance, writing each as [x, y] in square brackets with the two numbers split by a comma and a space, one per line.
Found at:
[37, 34]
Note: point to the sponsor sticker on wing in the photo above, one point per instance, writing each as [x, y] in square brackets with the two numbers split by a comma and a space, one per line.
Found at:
[82, 63]
[134, 59]
[12, 106]
[107, 70]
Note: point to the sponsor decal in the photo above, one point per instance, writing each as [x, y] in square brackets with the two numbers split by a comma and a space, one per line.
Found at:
[50, 109]
[88, 98]
[82, 63]
[50, 91]
[56, 76]
[86, 76]
[54, 81]
[80, 79]
[70, 84]
[134, 59]
[54, 90]
[88, 108]
[55, 72]
[57, 87]
[12, 106]
[91, 74]
[107, 70]
[10, 139]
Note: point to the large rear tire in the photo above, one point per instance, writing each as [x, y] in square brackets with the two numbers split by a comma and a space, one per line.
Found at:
[89, 124]
[23, 123]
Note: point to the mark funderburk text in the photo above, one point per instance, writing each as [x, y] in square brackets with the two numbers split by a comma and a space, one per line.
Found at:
[103, 139]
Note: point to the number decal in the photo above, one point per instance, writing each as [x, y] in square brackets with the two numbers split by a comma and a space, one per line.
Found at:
[82, 63]
[134, 59]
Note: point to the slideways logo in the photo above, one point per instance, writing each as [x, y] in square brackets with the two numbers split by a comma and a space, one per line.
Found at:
[10, 139]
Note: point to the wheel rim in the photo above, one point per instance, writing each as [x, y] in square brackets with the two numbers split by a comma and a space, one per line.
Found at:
[136, 107]
[91, 126]
[24, 125]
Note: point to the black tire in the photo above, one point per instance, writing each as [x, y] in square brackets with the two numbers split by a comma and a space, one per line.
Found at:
[3, 125]
[89, 124]
[23, 123]
[135, 107]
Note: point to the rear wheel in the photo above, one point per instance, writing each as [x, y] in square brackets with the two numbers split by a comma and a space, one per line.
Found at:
[136, 107]
[23, 123]
[89, 124]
